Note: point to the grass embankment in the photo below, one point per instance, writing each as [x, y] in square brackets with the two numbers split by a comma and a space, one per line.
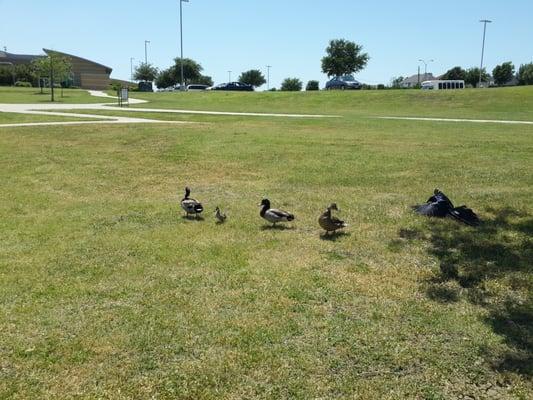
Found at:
[107, 291]
[500, 103]
[33, 95]
[18, 118]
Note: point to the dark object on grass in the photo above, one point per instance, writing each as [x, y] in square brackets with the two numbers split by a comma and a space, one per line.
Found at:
[330, 223]
[220, 216]
[440, 206]
[191, 206]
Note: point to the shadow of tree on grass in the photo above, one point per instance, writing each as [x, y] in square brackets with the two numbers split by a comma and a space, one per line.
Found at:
[491, 266]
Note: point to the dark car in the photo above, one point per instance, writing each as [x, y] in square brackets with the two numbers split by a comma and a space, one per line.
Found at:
[234, 86]
[343, 82]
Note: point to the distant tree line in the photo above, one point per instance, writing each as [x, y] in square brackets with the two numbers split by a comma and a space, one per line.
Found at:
[501, 74]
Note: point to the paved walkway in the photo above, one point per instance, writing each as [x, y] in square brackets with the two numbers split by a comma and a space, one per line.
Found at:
[48, 109]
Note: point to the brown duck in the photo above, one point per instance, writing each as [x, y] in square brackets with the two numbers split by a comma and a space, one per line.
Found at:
[330, 223]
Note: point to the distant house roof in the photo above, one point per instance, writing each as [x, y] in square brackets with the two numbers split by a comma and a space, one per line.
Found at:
[413, 80]
[17, 58]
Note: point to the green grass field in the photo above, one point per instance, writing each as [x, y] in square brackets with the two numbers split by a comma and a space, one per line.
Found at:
[504, 103]
[33, 95]
[107, 291]
[18, 118]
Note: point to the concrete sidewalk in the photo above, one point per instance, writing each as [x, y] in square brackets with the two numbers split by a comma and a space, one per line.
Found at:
[48, 109]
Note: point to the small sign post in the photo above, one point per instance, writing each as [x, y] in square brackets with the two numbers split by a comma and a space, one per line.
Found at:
[123, 97]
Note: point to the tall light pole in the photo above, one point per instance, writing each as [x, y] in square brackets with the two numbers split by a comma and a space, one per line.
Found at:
[229, 76]
[485, 22]
[146, 51]
[426, 67]
[131, 68]
[182, 87]
[268, 76]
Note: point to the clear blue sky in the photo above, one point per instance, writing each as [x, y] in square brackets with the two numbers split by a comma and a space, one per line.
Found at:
[290, 35]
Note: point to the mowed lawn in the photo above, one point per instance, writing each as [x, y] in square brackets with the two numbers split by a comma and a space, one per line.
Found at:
[107, 291]
[19, 95]
[513, 103]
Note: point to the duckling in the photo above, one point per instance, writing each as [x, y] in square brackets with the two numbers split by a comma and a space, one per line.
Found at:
[191, 206]
[221, 217]
[273, 214]
[329, 223]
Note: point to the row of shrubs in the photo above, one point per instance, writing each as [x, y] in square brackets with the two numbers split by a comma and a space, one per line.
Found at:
[295, 85]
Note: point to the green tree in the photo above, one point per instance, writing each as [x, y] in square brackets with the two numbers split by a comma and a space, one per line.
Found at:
[525, 74]
[55, 67]
[165, 78]
[145, 72]
[192, 71]
[396, 82]
[472, 76]
[253, 77]
[205, 80]
[343, 58]
[312, 85]
[292, 85]
[8, 75]
[456, 73]
[503, 73]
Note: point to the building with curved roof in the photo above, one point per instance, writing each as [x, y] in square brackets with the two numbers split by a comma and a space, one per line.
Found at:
[86, 74]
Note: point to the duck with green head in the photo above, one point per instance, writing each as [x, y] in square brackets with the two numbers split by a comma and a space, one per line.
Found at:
[274, 215]
[191, 206]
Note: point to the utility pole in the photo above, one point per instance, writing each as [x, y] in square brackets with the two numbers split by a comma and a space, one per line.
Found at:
[52, 75]
[146, 51]
[268, 76]
[485, 22]
[131, 68]
[426, 68]
[182, 87]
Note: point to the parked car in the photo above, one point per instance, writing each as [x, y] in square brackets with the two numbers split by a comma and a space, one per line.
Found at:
[343, 82]
[196, 87]
[239, 86]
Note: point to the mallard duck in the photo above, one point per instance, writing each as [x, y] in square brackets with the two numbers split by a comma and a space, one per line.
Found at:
[191, 206]
[440, 206]
[221, 217]
[329, 223]
[273, 214]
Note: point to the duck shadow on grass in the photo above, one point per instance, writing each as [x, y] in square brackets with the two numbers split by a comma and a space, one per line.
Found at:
[197, 218]
[277, 228]
[472, 262]
[333, 237]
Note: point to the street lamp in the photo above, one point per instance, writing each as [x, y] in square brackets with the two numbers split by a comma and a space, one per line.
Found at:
[485, 22]
[268, 76]
[181, 40]
[146, 51]
[131, 68]
[426, 68]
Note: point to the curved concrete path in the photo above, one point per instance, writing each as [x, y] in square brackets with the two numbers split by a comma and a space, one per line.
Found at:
[48, 109]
